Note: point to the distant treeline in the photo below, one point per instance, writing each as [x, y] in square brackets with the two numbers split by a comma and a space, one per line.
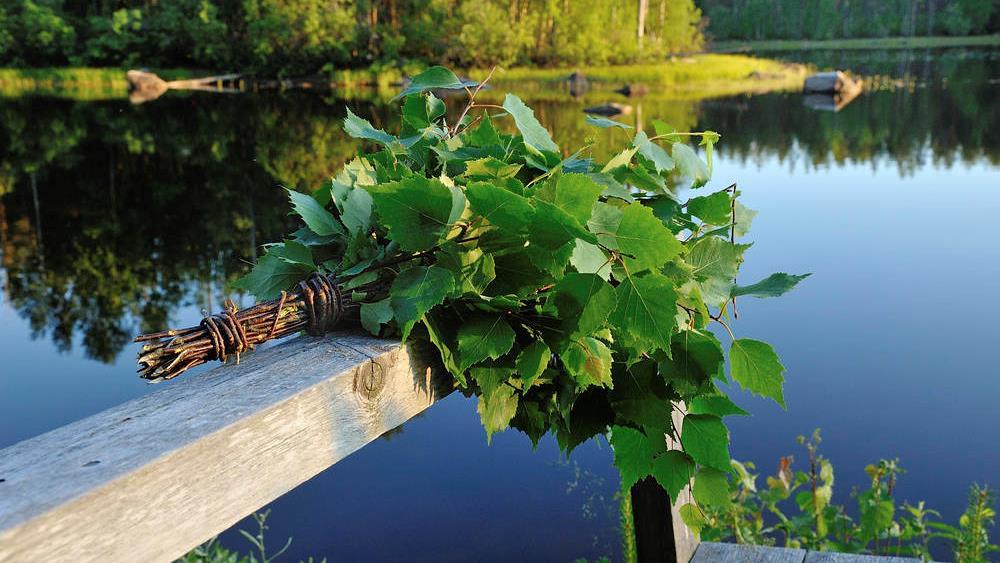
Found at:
[836, 19]
[304, 36]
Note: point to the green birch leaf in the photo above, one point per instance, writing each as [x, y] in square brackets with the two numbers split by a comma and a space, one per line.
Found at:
[481, 337]
[693, 517]
[435, 107]
[473, 269]
[584, 302]
[553, 228]
[496, 409]
[621, 159]
[502, 208]
[531, 362]
[696, 357]
[774, 285]
[435, 78]
[633, 454]
[421, 113]
[744, 218]
[612, 187]
[444, 343]
[588, 361]
[374, 315]
[357, 211]
[590, 259]
[719, 405]
[574, 194]
[361, 128]
[645, 313]
[415, 113]
[272, 275]
[715, 263]
[690, 165]
[293, 252]
[715, 209]
[666, 130]
[318, 219]
[490, 377]
[483, 135]
[876, 516]
[604, 222]
[706, 439]
[655, 153]
[415, 291]
[639, 397]
[711, 488]
[708, 140]
[604, 122]
[490, 168]
[644, 241]
[535, 136]
[416, 211]
[673, 471]
[755, 366]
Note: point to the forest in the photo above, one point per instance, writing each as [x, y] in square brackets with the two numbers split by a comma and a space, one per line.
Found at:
[302, 37]
[307, 36]
[844, 19]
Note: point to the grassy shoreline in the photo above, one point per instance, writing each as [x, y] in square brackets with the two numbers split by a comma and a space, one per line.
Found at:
[692, 77]
[856, 43]
[684, 78]
[77, 83]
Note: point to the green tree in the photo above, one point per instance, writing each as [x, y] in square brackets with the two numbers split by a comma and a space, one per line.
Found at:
[299, 36]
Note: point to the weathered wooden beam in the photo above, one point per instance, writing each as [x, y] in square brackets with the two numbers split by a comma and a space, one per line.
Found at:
[711, 552]
[831, 557]
[152, 478]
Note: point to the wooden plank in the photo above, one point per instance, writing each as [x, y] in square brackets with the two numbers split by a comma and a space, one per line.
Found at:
[828, 557]
[712, 552]
[152, 478]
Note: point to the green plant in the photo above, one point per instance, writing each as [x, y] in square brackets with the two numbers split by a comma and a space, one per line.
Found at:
[763, 516]
[970, 541]
[214, 552]
[569, 295]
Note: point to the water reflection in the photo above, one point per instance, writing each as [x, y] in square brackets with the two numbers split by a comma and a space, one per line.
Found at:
[112, 215]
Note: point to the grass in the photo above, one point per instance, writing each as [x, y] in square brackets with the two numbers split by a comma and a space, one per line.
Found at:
[683, 78]
[693, 77]
[858, 43]
[77, 83]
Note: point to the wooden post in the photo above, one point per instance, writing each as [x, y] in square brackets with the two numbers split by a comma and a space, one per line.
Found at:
[653, 523]
[660, 533]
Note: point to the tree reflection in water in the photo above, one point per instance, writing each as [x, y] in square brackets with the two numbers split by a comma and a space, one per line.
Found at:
[112, 216]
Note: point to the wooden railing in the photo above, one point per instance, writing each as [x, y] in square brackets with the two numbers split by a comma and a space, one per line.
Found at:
[154, 477]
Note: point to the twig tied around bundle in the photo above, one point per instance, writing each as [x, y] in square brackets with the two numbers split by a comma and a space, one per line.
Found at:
[318, 306]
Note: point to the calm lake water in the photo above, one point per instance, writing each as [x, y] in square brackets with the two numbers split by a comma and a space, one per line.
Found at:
[117, 219]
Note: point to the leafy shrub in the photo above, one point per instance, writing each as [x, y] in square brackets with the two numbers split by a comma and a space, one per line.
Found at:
[481, 42]
[40, 34]
[291, 36]
[116, 40]
[764, 516]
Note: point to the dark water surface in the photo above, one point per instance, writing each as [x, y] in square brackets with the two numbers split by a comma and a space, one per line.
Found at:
[115, 219]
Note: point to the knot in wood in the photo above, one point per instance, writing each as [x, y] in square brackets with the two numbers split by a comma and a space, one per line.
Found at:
[369, 380]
